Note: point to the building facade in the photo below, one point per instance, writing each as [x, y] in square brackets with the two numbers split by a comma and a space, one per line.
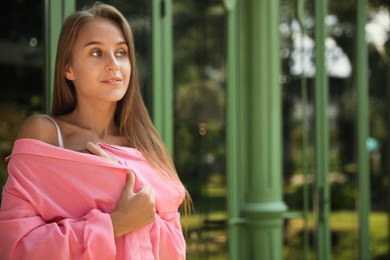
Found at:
[275, 112]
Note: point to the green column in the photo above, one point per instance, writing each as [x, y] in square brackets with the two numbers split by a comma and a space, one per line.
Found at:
[54, 14]
[234, 136]
[362, 131]
[260, 169]
[162, 69]
[322, 206]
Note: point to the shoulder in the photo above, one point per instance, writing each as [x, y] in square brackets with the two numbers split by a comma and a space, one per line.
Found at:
[38, 127]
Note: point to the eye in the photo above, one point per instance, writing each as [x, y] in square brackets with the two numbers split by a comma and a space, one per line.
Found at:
[96, 53]
[121, 53]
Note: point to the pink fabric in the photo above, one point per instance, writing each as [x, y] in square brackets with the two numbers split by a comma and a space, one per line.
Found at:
[56, 202]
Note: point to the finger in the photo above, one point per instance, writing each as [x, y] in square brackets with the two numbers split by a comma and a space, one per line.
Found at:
[146, 188]
[97, 150]
[152, 196]
[94, 149]
[130, 182]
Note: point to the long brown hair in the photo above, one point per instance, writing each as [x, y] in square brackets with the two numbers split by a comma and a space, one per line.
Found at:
[131, 115]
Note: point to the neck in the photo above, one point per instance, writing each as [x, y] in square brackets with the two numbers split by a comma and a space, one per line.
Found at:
[99, 119]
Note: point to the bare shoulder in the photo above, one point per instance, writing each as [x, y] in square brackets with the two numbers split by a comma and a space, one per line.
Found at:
[38, 127]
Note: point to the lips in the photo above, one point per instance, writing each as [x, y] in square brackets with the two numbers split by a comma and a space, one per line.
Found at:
[113, 81]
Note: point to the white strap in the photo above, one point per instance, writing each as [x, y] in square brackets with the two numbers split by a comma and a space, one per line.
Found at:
[59, 135]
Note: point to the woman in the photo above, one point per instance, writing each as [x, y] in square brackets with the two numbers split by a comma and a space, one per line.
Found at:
[80, 186]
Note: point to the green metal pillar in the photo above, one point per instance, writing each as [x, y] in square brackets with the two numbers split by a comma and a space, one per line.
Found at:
[362, 130]
[54, 14]
[162, 69]
[234, 137]
[300, 11]
[258, 156]
[322, 206]
[263, 206]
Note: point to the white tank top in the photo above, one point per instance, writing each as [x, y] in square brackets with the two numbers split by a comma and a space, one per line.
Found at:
[59, 135]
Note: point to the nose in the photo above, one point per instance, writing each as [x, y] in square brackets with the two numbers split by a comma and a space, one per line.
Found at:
[112, 63]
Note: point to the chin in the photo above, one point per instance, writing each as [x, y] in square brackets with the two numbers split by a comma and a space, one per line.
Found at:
[116, 95]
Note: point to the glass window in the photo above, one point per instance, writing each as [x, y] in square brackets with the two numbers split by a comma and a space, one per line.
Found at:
[21, 69]
[200, 123]
[297, 58]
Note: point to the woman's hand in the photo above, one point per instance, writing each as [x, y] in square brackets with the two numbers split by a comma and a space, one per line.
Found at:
[96, 150]
[133, 210]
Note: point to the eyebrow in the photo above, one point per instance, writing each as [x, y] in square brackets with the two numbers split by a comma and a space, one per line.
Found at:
[100, 43]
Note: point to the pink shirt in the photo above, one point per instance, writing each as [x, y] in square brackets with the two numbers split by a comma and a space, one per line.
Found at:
[56, 202]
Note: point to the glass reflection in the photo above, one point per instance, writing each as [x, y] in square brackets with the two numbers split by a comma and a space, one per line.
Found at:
[21, 69]
[200, 140]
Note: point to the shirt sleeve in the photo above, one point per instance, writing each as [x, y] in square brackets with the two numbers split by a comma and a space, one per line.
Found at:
[24, 234]
[167, 237]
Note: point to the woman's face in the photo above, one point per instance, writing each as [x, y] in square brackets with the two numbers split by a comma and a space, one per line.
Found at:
[100, 65]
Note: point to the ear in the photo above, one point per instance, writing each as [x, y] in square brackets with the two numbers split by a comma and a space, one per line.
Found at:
[68, 73]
